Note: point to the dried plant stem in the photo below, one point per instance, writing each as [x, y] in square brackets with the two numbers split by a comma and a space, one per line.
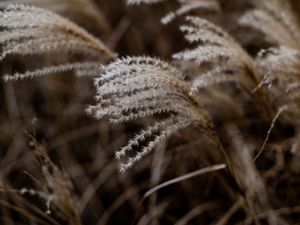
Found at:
[263, 97]
[224, 219]
[212, 134]
[184, 177]
[215, 138]
[280, 111]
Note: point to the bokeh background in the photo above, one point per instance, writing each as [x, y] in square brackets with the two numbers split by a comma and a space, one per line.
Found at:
[52, 110]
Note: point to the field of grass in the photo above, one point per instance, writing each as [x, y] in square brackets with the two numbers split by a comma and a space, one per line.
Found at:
[149, 112]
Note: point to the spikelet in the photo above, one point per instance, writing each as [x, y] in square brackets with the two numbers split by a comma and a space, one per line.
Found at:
[81, 68]
[137, 2]
[187, 6]
[230, 62]
[137, 87]
[276, 20]
[27, 30]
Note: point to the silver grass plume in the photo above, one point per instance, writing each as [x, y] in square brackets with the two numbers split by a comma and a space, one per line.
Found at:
[83, 11]
[27, 30]
[230, 62]
[276, 20]
[137, 87]
[281, 69]
[221, 59]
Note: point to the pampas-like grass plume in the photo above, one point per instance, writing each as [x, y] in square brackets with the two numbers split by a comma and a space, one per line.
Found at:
[137, 87]
[27, 30]
[83, 11]
[282, 74]
[230, 62]
[266, 19]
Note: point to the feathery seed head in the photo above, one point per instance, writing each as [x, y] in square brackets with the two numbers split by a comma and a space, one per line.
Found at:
[282, 65]
[28, 30]
[138, 87]
[215, 46]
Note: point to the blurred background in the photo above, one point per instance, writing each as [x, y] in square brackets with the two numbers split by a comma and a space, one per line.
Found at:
[50, 112]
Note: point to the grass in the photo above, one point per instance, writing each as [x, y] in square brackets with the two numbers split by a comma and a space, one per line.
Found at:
[214, 97]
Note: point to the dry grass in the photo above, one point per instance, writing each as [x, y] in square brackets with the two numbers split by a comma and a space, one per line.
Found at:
[215, 100]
